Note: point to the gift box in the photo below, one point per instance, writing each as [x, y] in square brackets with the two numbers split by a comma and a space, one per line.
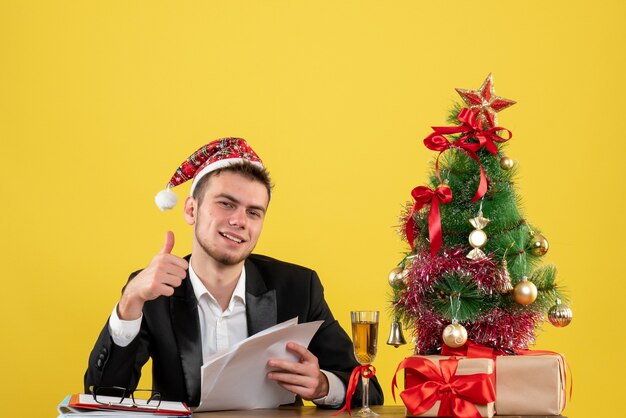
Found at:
[530, 384]
[448, 386]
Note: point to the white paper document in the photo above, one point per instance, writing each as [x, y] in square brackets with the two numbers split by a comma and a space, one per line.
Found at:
[237, 378]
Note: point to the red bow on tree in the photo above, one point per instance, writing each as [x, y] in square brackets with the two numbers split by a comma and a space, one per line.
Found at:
[424, 196]
[457, 394]
[472, 128]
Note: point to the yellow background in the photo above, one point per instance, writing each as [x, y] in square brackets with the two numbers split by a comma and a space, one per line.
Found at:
[100, 102]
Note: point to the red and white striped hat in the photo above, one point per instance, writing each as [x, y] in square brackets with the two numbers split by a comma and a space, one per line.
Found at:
[210, 157]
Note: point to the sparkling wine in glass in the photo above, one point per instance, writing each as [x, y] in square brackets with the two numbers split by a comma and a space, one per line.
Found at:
[365, 339]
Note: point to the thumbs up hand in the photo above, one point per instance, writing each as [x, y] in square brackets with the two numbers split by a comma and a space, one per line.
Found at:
[168, 245]
[164, 273]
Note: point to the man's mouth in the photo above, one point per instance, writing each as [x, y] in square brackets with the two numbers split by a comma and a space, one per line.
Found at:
[231, 237]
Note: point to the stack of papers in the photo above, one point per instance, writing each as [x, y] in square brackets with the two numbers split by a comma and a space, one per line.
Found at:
[81, 404]
[232, 379]
[237, 378]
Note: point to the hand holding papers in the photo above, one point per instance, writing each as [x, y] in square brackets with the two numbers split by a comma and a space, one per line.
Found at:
[237, 378]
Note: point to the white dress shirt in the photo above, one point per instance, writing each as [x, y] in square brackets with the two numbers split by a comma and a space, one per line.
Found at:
[218, 329]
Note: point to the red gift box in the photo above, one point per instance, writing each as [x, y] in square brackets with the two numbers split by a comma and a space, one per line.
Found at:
[448, 386]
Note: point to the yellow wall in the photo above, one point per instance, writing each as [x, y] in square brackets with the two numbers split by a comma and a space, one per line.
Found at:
[100, 101]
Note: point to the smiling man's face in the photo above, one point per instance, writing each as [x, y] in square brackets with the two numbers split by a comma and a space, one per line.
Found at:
[228, 222]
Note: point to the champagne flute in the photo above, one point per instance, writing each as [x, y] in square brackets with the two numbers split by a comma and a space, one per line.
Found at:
[365, 339]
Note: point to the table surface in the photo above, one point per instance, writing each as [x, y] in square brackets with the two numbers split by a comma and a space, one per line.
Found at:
[388, 411]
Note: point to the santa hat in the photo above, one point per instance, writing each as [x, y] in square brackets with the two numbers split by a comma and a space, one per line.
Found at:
[210, 157]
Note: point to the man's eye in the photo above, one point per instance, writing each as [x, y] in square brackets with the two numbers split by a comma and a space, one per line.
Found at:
[254, 213]
[225, 204]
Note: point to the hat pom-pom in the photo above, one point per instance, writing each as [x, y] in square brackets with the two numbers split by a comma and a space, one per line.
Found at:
[166, 199]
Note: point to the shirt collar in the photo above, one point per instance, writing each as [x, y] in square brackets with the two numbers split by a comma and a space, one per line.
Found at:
[199, 289]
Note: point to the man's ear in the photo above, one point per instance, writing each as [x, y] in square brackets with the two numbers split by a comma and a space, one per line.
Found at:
[191, 210]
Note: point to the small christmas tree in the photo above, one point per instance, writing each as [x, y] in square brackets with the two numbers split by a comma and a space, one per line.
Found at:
[474, 270]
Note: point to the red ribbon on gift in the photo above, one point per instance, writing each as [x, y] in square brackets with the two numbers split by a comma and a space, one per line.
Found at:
[426, 196]
[471, 350]
[366, 372]
[458, 394]
[471, 127]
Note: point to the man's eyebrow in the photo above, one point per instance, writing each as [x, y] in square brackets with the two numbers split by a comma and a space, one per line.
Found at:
[237, 201]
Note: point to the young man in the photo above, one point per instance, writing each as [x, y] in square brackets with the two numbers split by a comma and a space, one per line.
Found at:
[179, 311]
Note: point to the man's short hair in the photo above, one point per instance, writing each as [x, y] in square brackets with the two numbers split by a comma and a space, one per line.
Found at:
[244, 168]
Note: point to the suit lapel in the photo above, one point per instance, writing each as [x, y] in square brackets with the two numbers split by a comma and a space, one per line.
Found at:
[186, 325]
[261, 311]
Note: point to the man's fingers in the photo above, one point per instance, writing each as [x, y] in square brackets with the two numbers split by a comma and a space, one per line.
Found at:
[290, 378]
[161, 260]
[300, 385]
[166, 290]
[291, 388]
[173, 265]
[164, 273]
[303, 353]
[288, 366]
[170, 280]
[306, 360]
[162, 285]
[303, 377]
[169, 243]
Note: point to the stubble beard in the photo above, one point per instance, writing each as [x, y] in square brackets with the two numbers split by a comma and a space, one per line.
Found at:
[221, 257]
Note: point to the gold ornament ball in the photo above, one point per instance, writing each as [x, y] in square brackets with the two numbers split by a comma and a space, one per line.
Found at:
[454, 335]
[506, 163]
[560, 315]
[539, 245]
[525, 292]
[395, 277]
[477, 238]
[404, 275]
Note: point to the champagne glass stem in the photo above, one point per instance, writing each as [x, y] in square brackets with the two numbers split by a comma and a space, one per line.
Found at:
[366, 393]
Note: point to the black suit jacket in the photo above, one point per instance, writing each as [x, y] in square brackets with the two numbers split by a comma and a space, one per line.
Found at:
[170, 333]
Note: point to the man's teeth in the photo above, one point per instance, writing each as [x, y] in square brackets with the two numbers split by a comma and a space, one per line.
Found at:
[230, 237]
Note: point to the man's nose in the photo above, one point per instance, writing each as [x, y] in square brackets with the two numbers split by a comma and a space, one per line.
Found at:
[238, 218]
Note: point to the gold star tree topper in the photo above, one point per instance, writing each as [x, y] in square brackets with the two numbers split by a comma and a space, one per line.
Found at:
[485, 100]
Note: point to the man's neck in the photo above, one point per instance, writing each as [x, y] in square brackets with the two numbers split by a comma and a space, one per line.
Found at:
[219, 279]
